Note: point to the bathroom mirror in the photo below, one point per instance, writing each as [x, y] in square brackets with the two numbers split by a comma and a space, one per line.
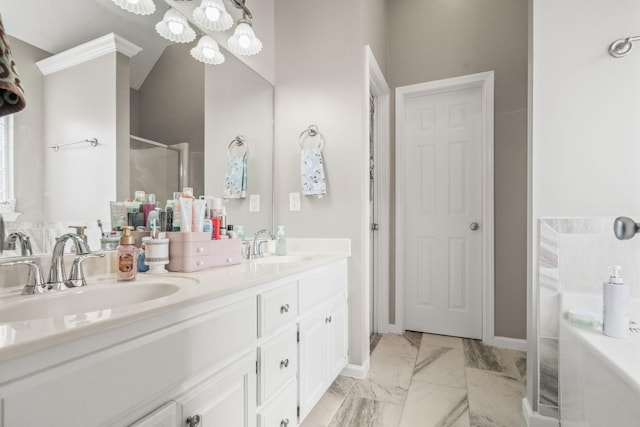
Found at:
[173, 99]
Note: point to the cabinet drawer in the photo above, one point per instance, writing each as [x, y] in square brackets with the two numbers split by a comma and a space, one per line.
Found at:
[317, 289]
[277, 307]
[278, 363]
[167, 416]
[282, 411]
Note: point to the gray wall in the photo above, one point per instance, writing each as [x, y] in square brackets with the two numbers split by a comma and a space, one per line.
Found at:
[29, 133]
[171, 107]
[320, 63]
[436, 39]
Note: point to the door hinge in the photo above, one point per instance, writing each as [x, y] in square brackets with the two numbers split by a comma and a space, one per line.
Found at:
[298, 410]
[257, 371]
[298, 336]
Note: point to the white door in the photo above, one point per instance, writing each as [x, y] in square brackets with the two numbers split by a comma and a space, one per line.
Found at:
[443, 212]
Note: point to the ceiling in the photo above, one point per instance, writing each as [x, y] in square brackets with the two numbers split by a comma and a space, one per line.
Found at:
[56, 26]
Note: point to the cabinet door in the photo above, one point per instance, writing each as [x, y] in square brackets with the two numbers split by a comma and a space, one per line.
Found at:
[312, 361]
[226, 400]
[337, 337]
[282, 411]
[166, 416]
[278, 363]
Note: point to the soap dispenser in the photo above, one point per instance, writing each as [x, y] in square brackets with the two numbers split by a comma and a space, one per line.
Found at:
[615, 304]
[127, 255]
[281, 241]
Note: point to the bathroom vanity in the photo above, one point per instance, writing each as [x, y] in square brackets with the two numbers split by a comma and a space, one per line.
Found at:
[255, 344]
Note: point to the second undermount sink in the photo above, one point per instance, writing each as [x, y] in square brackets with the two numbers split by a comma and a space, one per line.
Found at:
[87, 299]
[283, 259]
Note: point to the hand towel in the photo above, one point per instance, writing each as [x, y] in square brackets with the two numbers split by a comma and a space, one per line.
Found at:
[235, 183]
[12, 97]
[313, 179]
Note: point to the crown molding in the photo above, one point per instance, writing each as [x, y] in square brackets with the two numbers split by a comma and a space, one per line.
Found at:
[86, 52]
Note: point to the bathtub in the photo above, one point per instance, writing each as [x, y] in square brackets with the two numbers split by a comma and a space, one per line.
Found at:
[599, 376]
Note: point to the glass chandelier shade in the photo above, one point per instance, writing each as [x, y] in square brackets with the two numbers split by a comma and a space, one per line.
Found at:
[212, 15]
[139, 7]
[244, 41]
[174, 27]
[207, 51]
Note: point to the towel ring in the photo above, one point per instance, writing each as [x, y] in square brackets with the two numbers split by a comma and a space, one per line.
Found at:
[312, 131]
[238, 142]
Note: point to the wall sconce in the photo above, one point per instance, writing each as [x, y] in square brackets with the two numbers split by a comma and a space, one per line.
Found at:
[207, 51]
[175, 27]
[139, 7]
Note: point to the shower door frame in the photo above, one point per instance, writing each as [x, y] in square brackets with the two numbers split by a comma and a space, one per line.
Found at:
[182, 149]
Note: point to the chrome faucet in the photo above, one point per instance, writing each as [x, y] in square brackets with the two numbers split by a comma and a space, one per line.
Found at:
[35, 284]
[57, 278]
[256, 249]
[25, 243]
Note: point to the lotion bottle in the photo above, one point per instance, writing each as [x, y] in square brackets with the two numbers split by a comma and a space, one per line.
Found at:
[615, 304]
[281, 241]
[127, 253]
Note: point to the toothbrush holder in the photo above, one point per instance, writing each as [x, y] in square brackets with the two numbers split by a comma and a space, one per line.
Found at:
[157, 255]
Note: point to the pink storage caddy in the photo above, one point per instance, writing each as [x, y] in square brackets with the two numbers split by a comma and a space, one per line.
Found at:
[196, 251]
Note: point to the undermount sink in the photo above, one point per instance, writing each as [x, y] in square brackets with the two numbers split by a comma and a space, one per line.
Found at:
[284, 259]
[87, 299]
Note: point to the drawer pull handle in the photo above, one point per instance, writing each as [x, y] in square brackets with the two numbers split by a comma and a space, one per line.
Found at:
[194, 421]
[284, 423]
[284, 363]
[200, 250]
[284, 309]
[328, 320]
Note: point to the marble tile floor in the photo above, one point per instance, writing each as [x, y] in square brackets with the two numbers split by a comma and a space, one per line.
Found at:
[424, 380]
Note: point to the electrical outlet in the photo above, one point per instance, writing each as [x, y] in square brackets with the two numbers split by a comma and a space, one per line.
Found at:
[254, 203]
[294, 202]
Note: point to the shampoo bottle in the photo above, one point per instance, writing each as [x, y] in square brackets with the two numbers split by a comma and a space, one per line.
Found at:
[615, 304]
[281, 241]
[127, 252]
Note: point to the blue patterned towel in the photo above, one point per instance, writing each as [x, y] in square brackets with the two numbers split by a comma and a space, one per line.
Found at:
[313, 180]
[235, 183]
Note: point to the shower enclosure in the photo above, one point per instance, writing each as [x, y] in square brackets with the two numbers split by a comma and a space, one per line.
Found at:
[158, 168]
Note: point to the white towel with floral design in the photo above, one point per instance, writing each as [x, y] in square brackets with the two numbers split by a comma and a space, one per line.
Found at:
[235, 183]
[313, 179]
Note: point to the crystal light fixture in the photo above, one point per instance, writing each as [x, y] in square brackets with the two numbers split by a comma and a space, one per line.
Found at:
[207, 51]
[175, 27]
[139, 7]
[212, 15]
[244, 41]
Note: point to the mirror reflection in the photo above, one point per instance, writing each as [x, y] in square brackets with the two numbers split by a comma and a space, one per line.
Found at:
[162, 120]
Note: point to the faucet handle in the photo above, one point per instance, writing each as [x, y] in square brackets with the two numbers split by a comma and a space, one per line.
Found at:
[76, 277]
[80, 231]
[35, 283]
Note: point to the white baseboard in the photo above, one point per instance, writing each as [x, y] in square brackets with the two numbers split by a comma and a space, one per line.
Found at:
[510, 343]
[388, 328]
[534, 419]
[356, 371]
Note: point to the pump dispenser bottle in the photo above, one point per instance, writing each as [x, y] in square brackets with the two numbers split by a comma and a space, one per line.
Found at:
[127, 255]
[281, 241]
[615, 304]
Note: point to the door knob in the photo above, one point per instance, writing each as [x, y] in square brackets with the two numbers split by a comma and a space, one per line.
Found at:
[474, 226]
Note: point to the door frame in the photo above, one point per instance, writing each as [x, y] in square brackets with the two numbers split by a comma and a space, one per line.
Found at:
[378, 87]
[484, 81]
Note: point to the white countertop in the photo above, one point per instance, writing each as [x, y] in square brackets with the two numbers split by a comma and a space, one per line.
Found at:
[621, 354]
[19, 338]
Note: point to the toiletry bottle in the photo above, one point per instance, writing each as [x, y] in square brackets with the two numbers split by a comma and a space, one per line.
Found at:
[281, 241]
[188, 193]
[147, 207]
[142, 267]
[615, 304]
[127, 255]
[240, 232]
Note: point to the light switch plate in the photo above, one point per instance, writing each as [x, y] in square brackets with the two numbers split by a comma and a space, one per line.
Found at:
[254, 203]
[294, 202]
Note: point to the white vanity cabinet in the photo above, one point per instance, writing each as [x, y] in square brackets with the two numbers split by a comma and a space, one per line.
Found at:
[323, 334]
[260, 356]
